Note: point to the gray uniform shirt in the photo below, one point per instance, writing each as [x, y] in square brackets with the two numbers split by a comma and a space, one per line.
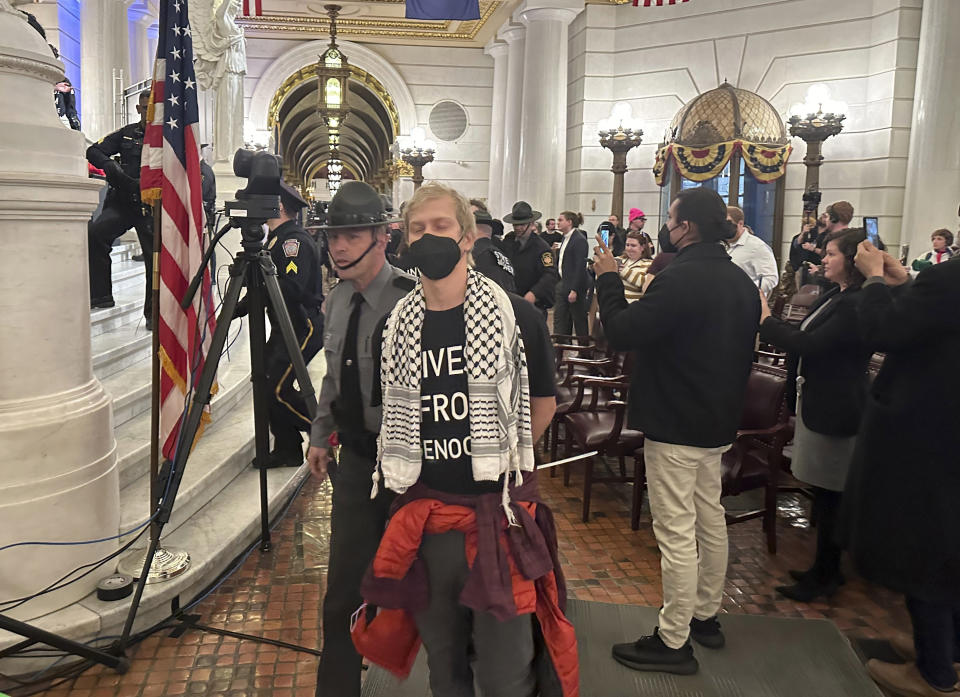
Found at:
[379, 297]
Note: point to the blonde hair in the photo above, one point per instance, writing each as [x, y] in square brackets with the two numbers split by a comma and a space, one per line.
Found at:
[435, 190]
[735, 213]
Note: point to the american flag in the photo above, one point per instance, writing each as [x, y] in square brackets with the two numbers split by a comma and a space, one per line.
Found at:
[170, 174]
[657, 3]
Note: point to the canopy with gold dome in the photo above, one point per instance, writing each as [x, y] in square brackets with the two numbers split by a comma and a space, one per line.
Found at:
[713, 126]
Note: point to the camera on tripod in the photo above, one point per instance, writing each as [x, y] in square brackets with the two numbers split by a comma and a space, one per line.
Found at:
[260, 200]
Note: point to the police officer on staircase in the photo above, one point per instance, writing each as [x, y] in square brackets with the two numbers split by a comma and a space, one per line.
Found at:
[357, 237]
[122, 208]
[297, 259]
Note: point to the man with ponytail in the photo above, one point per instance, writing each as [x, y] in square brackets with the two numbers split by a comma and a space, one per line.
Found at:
[696, 325]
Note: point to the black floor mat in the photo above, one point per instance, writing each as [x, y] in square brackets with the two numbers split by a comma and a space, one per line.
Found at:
[764, 657]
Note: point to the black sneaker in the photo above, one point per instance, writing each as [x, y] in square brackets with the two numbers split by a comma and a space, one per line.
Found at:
[137, 257]
[707, 632]
[650, 653]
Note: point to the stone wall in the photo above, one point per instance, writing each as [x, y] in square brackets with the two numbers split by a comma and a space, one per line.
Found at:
[657, 59]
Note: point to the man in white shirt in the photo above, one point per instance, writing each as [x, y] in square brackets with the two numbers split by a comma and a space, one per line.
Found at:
[752, 254]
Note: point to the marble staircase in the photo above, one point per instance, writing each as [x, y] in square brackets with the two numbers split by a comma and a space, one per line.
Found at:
[216, 515]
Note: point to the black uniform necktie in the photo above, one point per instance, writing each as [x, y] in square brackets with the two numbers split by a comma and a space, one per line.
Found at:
[350, 396]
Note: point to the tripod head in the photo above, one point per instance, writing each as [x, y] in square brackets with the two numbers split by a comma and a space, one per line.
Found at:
[259, 201]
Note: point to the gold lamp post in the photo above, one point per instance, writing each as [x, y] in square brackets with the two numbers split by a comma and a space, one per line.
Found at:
[416, 150]
[815, 120]
[619, 134]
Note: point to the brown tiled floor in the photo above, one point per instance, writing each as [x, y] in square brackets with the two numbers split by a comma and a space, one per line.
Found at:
[278, 595]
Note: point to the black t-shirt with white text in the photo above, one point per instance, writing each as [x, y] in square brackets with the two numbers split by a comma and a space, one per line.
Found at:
[444, 400]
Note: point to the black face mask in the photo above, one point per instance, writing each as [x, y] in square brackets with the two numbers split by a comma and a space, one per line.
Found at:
[435, 256]
[666, 244]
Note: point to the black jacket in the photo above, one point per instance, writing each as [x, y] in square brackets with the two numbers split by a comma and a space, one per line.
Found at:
[490, 260]
[573, 274]
[834, 363]
[208, 190]
[534, 269]
[297, 259]
[124, 179]
[693, 333]
[900, 503]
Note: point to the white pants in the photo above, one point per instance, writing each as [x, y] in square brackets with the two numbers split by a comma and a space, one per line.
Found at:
[684, 487]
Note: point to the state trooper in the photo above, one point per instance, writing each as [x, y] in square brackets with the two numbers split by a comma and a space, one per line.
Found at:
[122, 208]
[534, 270]
[357, 236]
[297, 259]
[488, 255]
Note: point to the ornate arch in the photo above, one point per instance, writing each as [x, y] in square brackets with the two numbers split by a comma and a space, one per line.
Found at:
[305, 55]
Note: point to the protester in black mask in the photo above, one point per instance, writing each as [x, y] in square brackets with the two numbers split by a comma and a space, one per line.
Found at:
[697, 323]
[456, 350]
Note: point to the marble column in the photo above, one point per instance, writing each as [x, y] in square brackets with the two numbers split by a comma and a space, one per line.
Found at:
[543, 119]
[515, 36]
[58, 473]
[933, 166]
[498, 51]
[104, 48]
[141, 59]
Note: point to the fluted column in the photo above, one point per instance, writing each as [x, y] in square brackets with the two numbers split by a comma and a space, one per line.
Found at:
[104, 47]
[933, 166]
[58, 471]
[543, 119]
[141, 59]
[498, 51]
[515, 37]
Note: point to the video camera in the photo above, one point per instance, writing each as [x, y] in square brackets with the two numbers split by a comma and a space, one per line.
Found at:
[260, 200]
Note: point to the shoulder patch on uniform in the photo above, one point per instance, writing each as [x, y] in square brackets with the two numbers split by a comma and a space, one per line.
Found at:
[291, 247]
[502, 260]
[291, 268]
[547, 258]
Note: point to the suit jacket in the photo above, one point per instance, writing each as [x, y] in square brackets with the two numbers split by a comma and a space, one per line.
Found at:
[573, 272]
[900, 503]
[834, 363]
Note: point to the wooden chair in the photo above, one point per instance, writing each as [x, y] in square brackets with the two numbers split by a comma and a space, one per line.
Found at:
[756, 458]
[600, 427]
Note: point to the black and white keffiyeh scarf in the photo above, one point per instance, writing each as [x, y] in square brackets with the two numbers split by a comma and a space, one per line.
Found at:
[498, 389]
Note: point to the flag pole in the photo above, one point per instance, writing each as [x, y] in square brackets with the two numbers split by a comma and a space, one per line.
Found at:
[155, 370]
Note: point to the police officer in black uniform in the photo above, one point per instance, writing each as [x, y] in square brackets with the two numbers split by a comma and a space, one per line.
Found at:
[297, 259]
[122, 208]
[488, 255]
[533, 266]
[208, 190]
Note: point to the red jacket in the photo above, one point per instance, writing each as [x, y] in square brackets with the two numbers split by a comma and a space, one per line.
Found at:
[391, 640]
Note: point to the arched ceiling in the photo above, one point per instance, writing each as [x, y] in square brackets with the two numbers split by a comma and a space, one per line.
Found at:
[365, 135]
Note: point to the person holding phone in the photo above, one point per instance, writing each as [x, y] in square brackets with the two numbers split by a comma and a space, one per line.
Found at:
[827, 390]
[570, 308]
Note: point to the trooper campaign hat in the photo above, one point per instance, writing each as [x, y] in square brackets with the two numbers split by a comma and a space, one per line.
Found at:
[291, 198]
[522, 213]
[357, 205]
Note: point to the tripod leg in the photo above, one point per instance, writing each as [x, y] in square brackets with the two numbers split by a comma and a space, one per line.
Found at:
[188, 431]
[261, 394]
[275, 299]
